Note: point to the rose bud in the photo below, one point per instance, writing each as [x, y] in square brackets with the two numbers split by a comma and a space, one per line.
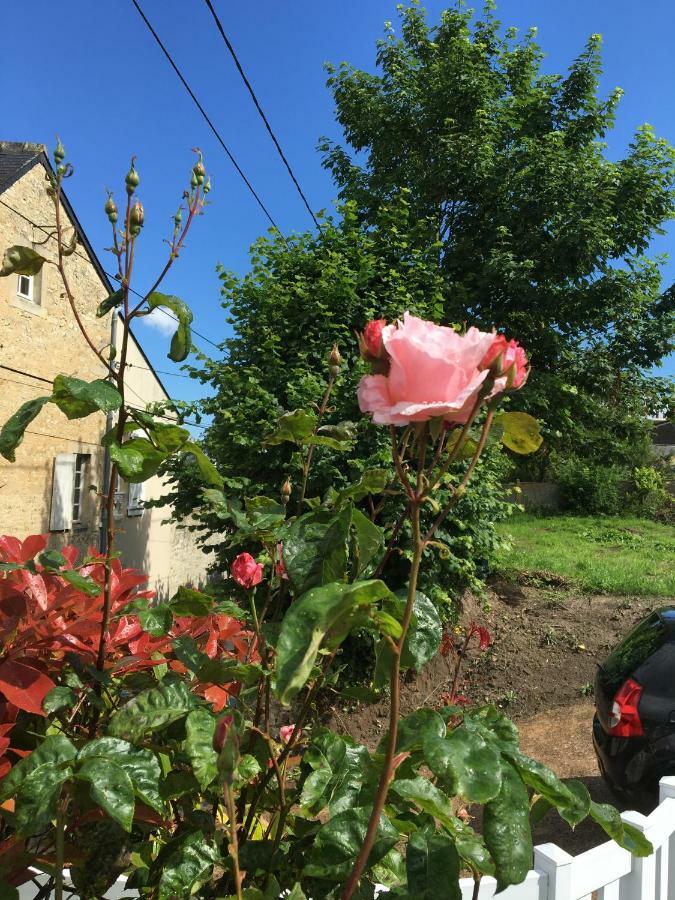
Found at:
[221, 731]
[286, 489]
[111, 209]
[246, 571]
[207, 185]
[59, 151]
[199, 170]
[334, 362]
[371, 343]
[136, 218]
[178, 218]
[286, 733]
[132, 180]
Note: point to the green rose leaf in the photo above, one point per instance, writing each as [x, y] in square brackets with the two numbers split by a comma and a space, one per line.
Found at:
[13, 430]
[77, 398]
[21, 261]
[427, 796]
[373, 481]
[37, 796]
[521, 432]
[60, 697]
[152, 709]
[137, 459]
[184, 865]
[155, 618]
[338, 842]
[367, 543]
[432, 865]
[110, 302]
[294, 426]
[141, 765]
[625, 835]
[466, 765]
[188, 602]
[82, 582]
[181, 342]
[55, 751]
[571, 798]
[207, 470]
[110, 788]
[324, 615]
[316, 548]
[506, 829]
[200, 727]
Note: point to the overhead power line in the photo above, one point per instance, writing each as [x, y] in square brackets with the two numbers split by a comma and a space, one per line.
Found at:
[249, 87]
[201, 109]
[44, 230]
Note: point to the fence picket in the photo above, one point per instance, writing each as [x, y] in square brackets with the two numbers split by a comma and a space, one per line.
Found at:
[641, 883]
[554, 862]
[667, 867]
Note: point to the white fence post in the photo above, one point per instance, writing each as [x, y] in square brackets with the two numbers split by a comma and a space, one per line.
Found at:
[555, 862]
[641, 883]
[667, 868]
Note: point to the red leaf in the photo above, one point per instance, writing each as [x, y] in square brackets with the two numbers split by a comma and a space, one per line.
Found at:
[24, 686]
[33, 545]
[36, 586]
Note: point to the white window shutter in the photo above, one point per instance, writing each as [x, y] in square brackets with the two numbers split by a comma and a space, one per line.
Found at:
[135, 499]
[61, 517]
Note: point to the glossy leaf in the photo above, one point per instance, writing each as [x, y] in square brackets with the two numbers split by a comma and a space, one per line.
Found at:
[200, 727]
[625, 835]
[12, 431]
[189, 602]
[60, 697]
[37, 796]
[521, 432]
[324, 615]
[87, 585]
[432, 865]
[465, 764]
[293, 426]
[372, 481]
[207, 470]
[140, 764]
[424, 635]
[54, 751]
[506, 829]
[184, 865]
[571, 799]
[316, 549]
[24, 685]
[338, 842]
[21, 261]
[110, 788]
[137, 459]
[181, 342]
[368, 542]
[77, 398]
[152, 710]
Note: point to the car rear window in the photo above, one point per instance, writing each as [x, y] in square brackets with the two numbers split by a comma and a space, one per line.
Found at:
[640, 643]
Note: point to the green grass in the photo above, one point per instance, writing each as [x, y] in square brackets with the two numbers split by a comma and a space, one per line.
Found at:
[608, 555]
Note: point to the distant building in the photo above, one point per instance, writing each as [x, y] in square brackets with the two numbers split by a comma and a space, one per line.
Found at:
[663, 438]
[52, 487]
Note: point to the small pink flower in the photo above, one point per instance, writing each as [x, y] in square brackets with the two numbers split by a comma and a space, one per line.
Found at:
[246, 571]
[484, 639]
[286, 732]
[372, 345]
[433, 372]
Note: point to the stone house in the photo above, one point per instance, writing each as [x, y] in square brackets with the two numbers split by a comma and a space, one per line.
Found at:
[60, 466]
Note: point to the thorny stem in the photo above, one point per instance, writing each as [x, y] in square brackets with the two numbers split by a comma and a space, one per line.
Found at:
[308, 459]
[234, 845]
[394, 681]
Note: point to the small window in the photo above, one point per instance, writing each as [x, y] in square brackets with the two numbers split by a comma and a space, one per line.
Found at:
[81, 461]
[24, 288]
[135, 504]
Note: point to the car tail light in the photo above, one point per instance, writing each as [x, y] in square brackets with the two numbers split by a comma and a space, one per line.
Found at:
[624, 720]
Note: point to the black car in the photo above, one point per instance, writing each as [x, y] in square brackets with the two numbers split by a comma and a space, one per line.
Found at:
[634, 723]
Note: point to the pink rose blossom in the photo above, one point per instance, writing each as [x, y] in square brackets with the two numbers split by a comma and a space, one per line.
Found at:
[508, 360]
[286, 733]
[434, 372]
[246, 571]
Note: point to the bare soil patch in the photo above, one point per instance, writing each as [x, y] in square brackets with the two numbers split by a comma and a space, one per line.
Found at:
[547, 641]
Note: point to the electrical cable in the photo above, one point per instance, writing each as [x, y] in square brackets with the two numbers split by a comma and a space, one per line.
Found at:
[206, 117]
[256, 102]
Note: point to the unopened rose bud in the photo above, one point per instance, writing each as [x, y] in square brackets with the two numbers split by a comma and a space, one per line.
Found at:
[220, 734]
[59, 151]
[199, 171]
[334, 362]
[111, 209]
[286, 489]
[136, 218]
[178, 218]
[207, 185]
[132, 180]
[194, 180]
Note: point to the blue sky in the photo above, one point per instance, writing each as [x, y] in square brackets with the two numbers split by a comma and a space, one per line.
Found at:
[92, 73]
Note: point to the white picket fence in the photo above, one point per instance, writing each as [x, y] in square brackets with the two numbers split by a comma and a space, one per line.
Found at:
[603, 873]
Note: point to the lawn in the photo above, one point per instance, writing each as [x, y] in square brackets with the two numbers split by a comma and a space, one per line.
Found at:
[609, 555]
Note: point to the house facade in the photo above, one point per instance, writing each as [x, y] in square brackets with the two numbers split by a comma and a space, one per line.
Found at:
[55, 484]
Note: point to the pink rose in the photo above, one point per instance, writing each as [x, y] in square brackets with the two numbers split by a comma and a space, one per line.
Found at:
[286, 733]
[371, 346]
[508, 360]
[434, 372]
[246, 571]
